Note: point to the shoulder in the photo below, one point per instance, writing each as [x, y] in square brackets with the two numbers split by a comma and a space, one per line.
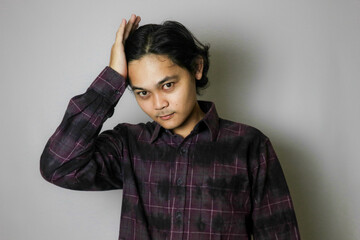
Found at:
[231, 129]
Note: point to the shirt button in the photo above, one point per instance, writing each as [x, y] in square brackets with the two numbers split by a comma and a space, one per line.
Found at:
[178, 215]
[179, 181]
[117, 92]
[183, 150]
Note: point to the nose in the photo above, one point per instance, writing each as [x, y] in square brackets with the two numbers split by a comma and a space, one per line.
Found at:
[159, 102]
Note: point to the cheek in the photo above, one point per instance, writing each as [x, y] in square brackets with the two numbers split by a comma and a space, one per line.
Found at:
[182, 100]
[177, 99]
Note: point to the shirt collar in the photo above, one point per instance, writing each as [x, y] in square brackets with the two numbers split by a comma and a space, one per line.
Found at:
[211, 120]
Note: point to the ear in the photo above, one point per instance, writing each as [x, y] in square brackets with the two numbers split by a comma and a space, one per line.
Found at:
[199, 67]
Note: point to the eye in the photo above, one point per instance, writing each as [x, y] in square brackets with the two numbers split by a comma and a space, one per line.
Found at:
[168, 85]
[142, 93]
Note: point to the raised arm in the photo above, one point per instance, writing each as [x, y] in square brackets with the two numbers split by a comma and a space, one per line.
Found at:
[76, 156]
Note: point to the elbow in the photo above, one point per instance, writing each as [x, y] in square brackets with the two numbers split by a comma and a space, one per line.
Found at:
[45, 169]
[49, 174]
[49, 165]
[53, 171]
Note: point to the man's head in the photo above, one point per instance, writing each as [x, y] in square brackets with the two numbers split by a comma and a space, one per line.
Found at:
[173, 40]
[166, 68]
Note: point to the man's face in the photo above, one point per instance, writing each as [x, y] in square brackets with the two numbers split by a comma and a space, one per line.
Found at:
[166, 92]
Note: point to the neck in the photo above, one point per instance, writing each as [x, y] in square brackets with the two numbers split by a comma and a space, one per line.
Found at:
[196, 115]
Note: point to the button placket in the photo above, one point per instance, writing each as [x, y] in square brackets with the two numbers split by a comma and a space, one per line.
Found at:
[178, 215]
[179, 181]
[183, 150]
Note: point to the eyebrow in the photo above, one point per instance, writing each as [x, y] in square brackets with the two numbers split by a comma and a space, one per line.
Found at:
[167, 78]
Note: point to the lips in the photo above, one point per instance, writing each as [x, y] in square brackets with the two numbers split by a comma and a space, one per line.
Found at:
[166, 117]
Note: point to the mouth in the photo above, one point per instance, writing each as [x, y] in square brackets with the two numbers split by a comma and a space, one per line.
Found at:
[166, 117]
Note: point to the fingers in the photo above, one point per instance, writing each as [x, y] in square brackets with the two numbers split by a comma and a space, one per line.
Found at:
[136, 24]
[126, 28]
[129, 26]
[132, 25]
[120, 32]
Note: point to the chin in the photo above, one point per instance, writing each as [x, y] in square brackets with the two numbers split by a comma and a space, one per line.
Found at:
[169, 124]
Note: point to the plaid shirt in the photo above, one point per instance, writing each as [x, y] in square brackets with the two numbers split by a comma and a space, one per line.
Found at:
[223, 181]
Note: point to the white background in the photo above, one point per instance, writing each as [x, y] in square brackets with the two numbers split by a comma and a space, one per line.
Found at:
[289, 68]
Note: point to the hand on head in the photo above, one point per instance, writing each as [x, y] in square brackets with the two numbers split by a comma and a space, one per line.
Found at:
[118, 58]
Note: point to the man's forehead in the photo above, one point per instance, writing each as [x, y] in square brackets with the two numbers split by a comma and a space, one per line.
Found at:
[151, 70]
[151, 58]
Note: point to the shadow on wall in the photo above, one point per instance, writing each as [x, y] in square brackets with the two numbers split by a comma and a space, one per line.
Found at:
[231, 94]
[300, 168]
[300, 165]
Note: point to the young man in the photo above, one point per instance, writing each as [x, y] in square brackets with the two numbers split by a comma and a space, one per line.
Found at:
[188, 174]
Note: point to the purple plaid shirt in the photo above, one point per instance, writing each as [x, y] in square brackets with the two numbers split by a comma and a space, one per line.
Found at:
[223, 181]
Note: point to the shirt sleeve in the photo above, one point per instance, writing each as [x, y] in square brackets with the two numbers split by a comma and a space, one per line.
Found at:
[273, 212]
[76, 156]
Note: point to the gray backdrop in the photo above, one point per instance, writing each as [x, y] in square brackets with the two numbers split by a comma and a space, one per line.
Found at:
[289, 68]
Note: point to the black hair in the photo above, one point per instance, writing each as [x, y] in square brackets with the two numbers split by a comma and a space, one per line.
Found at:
[173, 40]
